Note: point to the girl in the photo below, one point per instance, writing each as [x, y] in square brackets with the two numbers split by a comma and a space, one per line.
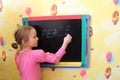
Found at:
[28, 60]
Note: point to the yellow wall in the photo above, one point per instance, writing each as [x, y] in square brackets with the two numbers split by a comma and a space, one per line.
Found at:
[105, 38]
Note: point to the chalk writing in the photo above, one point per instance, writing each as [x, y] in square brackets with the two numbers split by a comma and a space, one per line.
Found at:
[54, 32]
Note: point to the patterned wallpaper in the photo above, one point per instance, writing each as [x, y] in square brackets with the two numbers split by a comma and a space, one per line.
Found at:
[104, 39]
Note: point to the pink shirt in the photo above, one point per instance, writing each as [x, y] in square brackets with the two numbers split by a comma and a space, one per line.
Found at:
[28, 62]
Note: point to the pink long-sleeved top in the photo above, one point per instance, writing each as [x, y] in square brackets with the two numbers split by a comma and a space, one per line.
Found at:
[28, 62]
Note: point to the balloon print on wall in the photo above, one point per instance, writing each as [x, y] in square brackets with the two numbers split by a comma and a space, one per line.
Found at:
[83, 73]
[1, 40]
[28, 11]
[3, 43]
[116, 2]
[109, 57]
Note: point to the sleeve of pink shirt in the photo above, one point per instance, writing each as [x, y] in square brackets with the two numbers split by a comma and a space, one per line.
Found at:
[41, 56]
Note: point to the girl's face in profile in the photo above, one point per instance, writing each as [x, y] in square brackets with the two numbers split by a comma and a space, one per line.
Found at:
[33, 39]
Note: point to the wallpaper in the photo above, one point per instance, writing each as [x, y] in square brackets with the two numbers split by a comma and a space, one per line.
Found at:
[104, 36]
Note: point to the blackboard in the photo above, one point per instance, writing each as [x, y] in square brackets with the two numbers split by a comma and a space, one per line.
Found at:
[52, 29]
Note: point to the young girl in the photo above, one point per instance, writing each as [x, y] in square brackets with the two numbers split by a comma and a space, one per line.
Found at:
[28, 60]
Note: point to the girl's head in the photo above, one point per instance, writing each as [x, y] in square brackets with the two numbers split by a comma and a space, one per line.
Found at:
[25, 37]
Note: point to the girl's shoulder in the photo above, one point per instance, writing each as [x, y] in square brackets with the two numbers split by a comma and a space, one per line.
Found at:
[37, 51]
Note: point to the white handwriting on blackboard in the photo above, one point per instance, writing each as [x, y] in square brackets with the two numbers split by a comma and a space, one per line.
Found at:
[53, 32]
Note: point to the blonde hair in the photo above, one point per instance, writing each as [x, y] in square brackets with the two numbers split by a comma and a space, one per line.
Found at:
[20, 34]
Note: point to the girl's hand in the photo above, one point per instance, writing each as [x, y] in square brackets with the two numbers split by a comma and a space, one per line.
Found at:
[67, 38]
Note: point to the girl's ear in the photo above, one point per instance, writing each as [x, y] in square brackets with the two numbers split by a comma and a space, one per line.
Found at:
[23, 42]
